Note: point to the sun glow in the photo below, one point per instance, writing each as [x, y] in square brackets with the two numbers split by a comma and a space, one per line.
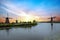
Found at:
[28, 18]
[11, 8]
[15, 10]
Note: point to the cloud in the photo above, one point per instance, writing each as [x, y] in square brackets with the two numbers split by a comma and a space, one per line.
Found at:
[13, 9]
[28, 7]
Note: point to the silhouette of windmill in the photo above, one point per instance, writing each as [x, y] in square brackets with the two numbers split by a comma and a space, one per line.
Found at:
[51, 19]
[7, 19]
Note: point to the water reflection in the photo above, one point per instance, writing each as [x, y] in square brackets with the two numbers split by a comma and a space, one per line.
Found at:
[52, 31]
[51, 26]
[6, 29]
[41, 31]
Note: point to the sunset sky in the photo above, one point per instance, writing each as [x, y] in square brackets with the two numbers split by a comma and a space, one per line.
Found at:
[28, 10]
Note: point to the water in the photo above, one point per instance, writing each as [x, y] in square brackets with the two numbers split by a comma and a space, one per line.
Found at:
[42, 31]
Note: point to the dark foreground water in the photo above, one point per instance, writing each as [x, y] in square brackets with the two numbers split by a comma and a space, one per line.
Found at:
[42, 31]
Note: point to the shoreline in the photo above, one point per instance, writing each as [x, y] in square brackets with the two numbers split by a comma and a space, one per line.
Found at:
[12, 25]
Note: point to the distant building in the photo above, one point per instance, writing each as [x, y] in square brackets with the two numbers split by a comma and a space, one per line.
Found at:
[16, 21]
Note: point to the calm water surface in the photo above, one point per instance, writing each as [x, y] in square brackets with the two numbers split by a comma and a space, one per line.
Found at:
[42, 31]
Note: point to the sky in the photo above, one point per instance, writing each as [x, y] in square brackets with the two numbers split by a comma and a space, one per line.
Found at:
[29, 9]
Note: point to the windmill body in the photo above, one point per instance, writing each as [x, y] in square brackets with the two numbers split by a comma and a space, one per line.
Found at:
[7, 20]
[51, 22]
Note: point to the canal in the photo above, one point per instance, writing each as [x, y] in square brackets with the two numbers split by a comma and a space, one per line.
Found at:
[42, 31]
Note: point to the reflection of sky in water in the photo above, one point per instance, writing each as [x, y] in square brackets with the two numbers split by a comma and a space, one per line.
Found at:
[42, 29]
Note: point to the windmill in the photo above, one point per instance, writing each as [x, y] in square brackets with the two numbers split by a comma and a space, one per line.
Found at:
[51, 19]
[7, 19]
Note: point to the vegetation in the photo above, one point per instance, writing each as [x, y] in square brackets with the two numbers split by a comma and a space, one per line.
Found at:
[50, 22]
[18, 24]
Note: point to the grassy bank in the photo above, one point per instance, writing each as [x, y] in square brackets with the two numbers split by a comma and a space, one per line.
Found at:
[18, 24]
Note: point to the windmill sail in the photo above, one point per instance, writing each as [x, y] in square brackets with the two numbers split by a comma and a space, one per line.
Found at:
[51, 19]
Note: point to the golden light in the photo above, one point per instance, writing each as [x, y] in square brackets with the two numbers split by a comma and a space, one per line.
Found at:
[24, 15]
[31, 18]
[28, 18]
